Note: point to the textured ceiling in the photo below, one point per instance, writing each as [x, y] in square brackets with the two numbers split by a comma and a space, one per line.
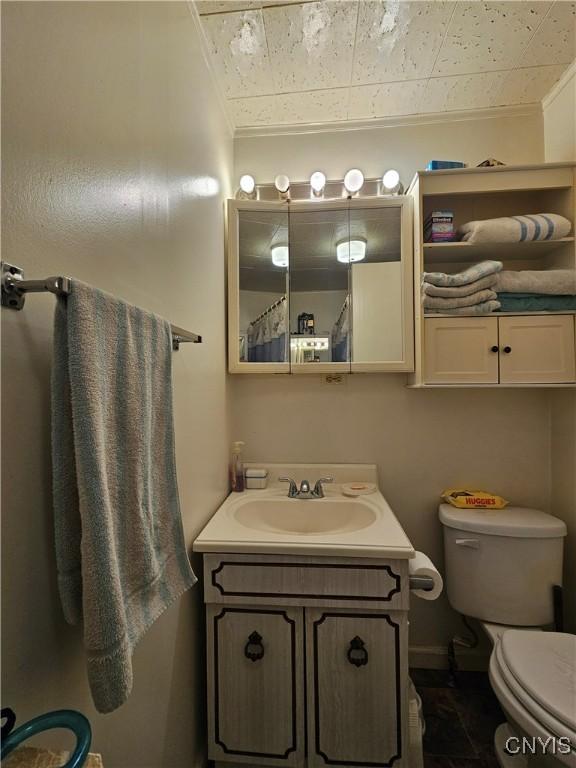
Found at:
[298, 63]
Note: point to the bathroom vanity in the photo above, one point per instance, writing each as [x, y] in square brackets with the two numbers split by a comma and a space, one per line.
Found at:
[307, 637]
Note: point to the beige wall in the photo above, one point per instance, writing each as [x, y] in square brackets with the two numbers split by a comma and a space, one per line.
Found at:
[560, 120]
[422, 441]
[407, 148]
[109, 118]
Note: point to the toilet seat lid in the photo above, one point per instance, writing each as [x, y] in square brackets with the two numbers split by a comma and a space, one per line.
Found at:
[544, 666]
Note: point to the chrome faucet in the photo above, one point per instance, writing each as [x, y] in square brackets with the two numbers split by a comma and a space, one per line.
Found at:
[318, 492]
[304, 492]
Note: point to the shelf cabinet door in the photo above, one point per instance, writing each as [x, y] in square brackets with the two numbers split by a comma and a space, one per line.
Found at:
[461, 350]
[356, 688]
[255, 685]
[537, 350]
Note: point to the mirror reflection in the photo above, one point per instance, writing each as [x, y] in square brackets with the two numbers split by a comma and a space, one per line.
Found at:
[320, 252]
[376, 284]
[263, 271]
[343, 269]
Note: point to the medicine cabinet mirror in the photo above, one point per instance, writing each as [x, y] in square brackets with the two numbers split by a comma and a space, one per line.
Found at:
[320, 286]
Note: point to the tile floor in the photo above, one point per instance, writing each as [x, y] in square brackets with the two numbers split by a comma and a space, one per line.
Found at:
[460, 721]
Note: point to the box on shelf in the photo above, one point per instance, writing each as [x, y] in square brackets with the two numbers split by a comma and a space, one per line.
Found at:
[439, 227]
[441, 165]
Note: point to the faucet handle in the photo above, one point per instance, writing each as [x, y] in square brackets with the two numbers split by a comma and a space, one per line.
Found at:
[293, 490]
[318, 490]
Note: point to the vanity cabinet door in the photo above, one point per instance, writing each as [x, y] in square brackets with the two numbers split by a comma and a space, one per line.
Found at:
[461, 350]
[255, 685]
[357, 680]
[535, 350]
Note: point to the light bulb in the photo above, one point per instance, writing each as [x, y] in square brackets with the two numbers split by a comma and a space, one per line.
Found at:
[317, 182]
[282, 183]
[391, 179]
[279, 255]
[391, 183]
[247, 184]
[349, 251]
[353, 180]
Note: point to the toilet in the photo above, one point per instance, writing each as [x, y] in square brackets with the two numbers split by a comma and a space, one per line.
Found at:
[501, 567]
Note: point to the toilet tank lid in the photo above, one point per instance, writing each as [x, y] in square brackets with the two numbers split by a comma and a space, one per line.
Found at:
[519, 522]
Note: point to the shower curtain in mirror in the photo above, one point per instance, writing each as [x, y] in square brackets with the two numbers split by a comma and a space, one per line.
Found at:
[267, 335]
[341, 335]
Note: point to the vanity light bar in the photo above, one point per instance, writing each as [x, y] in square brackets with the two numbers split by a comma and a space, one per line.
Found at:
[318, 187]
[302, 342]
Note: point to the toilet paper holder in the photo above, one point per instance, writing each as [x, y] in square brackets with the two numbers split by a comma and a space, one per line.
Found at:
[422, 582]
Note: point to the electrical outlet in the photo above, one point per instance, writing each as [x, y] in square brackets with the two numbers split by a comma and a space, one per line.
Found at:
[334, 378]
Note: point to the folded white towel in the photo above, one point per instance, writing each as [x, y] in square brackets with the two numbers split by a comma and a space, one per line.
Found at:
[467, 276]
[559, 282]
[516, 229]
[478, 309]
[463, 290]
[439, 302]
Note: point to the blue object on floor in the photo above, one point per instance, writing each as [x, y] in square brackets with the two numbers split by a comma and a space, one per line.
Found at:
[62, 718]
[439, 165]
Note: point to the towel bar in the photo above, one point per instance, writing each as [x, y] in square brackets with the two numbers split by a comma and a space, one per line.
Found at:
[15, 288]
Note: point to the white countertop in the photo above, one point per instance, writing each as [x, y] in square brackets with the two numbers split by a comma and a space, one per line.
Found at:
[382, 537]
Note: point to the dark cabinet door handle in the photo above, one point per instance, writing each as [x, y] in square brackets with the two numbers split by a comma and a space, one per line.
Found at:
[254, 648]
[357, 653]
[507, 350]
[494, 348]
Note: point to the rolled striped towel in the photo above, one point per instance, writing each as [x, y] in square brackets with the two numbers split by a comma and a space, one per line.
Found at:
[516, 229]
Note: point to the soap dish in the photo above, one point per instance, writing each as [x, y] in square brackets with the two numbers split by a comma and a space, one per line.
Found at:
[357, 489]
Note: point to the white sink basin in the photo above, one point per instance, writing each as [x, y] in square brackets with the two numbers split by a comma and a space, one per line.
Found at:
[307, 517]
[268, 522]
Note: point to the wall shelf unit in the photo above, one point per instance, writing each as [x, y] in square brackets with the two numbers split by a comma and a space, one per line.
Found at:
[477, 351]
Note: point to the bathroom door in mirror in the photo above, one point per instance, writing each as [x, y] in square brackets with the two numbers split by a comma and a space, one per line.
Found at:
[320, 339]
[258, 256]
[381, 315]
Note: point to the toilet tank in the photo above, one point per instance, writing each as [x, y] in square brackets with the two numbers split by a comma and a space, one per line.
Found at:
[501, 565]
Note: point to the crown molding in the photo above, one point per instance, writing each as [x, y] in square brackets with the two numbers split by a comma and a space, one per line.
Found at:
[205, 50]
[567, 75]
[491, 113]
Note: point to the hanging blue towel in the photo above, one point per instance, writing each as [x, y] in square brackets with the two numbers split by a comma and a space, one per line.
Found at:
[120, 547]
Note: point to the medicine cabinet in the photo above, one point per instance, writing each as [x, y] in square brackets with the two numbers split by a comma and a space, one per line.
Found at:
[320, 286]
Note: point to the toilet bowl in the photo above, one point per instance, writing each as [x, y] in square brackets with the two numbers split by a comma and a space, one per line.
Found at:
[533, 675]
[501, 568]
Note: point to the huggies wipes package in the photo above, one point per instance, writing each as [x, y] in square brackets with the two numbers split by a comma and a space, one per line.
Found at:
[466, 499]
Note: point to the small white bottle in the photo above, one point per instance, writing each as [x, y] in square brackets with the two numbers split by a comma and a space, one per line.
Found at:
[237, 467]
